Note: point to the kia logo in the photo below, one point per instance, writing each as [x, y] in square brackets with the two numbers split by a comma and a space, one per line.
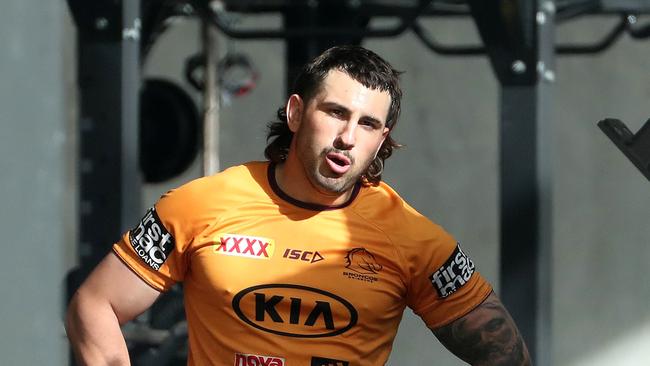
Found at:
[294, 310]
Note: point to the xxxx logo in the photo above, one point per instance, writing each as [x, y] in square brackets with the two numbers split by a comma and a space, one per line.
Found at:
[244, 246]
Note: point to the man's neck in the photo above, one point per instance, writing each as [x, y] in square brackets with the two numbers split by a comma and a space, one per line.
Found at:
[292, 180]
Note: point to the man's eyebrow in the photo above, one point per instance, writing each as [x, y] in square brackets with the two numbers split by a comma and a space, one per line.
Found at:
[369, 118]
[335, 105]
[374, 120]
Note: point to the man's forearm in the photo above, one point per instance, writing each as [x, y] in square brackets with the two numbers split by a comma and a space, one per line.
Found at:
[94, 333]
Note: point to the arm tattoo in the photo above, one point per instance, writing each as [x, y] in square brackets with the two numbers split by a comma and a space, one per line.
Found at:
[485, 336]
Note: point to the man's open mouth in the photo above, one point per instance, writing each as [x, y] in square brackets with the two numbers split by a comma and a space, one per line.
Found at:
[338, 163]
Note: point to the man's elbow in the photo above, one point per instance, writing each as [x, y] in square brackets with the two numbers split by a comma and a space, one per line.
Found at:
[93, 331]
[72, 318]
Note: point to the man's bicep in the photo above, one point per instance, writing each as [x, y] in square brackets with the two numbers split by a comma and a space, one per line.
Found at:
[115, 283]
[485, 336]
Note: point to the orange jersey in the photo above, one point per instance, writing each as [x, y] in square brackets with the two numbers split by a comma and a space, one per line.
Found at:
[269, 280]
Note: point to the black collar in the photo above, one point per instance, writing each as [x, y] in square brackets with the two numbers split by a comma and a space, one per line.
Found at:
[307, 205]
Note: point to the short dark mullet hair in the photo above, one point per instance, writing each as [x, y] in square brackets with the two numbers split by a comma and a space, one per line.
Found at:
[360, 64]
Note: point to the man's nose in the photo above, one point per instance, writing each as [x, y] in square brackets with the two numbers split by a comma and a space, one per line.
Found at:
[346, 138]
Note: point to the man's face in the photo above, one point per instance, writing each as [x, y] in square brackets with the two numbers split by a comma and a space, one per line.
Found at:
[340, 130]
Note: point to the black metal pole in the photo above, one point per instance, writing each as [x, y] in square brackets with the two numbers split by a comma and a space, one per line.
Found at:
[109, 82]
[331, 14]
[519, 208]
[519, 38]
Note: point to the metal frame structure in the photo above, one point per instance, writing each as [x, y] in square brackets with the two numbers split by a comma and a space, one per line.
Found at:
[109, 83]
[635, 146]
[518, 38]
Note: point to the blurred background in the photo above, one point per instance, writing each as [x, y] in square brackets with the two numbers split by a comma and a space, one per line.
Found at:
[499, 122]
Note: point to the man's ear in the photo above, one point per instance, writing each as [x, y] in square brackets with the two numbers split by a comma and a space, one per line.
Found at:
[384, 135]
[294, 111]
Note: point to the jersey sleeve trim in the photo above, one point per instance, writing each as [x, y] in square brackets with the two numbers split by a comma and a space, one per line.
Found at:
[151, 284]
[429, 311]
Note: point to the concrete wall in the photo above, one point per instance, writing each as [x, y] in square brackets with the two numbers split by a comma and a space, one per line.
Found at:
[602, 205]
[35, 171]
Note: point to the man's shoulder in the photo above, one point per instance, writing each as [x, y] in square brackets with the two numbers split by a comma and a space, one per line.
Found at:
[232, 184]
[383, 198]
[382, 205]
[253, 170]
[382, 201]
[251, 174]
[414, 235]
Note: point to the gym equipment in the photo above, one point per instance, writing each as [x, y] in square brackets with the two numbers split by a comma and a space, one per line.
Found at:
[169, 130]
[236, 73]
[635, 146]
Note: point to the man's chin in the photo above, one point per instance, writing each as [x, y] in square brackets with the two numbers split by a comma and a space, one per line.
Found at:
[336, 185]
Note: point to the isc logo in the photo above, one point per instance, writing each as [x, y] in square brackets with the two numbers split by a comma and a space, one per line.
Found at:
[244, 246]
[305, 256]
[256, 360]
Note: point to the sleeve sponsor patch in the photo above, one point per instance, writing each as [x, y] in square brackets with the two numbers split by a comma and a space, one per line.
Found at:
[151, 240]
[453, 274]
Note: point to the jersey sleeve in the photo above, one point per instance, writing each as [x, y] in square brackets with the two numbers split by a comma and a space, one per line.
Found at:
[157, 248]
[444, 284]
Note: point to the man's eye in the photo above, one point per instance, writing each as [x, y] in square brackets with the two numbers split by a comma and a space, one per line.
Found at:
[367, 123]
[338, 113]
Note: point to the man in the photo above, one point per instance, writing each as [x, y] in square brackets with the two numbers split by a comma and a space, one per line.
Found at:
[308, 259]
